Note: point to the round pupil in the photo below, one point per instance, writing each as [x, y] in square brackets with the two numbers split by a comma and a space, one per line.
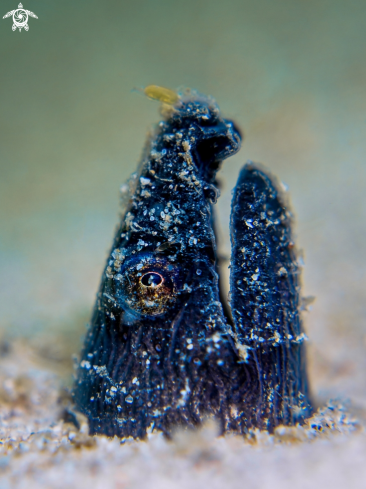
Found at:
[151, 279]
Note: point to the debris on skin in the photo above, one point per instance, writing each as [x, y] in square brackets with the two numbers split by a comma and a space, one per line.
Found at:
[159, 305]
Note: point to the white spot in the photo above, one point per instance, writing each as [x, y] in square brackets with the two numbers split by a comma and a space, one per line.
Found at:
[129, 399]
[145, 181]
[185, 393]
[301, 337]
[85, 364]
[134, 380]
[216, 338]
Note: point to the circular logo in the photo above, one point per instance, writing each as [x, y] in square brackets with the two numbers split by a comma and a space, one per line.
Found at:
[20, 18]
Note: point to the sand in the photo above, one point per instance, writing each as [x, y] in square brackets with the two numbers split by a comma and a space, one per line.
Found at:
[45, 443]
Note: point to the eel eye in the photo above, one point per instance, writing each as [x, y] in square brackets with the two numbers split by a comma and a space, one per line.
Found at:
[147, 284]
[152, 279]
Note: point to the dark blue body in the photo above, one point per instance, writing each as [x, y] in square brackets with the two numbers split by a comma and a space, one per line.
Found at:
[160, 351]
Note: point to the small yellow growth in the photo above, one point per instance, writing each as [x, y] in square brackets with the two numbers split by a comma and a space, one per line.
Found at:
[162, 94]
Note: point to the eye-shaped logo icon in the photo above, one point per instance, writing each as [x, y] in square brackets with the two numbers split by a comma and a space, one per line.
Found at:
[20, 18]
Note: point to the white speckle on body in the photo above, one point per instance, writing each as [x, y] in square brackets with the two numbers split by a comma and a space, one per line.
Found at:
[145, 181]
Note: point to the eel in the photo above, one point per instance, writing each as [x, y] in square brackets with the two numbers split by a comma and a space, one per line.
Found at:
[164, 350]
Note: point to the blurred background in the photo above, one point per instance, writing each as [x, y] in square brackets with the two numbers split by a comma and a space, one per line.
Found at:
[292, 74]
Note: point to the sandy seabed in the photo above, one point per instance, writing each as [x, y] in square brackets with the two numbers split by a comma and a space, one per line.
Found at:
[45, 445]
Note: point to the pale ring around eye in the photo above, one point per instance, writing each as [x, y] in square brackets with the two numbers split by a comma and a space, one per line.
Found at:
[152, 279]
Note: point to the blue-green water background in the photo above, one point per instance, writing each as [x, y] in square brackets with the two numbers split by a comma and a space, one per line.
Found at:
[291, 73]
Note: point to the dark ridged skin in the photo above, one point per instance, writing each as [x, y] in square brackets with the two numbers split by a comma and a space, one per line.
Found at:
[160, 352]
[264, 284]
